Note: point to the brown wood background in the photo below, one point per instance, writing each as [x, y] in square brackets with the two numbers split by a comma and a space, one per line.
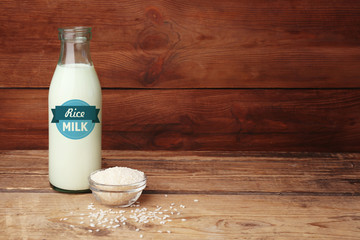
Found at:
[193, 74]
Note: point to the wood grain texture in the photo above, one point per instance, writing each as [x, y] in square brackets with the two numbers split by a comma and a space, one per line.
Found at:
[200, 119]
[193, 75]
[230, 204]
[239, 173]
[189, 44]
[37, 216]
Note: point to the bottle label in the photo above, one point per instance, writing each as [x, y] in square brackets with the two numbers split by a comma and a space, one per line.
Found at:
[75, 119]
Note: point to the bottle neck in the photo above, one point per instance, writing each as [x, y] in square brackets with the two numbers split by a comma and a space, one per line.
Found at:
[75, 46]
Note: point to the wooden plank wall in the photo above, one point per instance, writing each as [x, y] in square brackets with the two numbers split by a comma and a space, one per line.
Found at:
[193, 74]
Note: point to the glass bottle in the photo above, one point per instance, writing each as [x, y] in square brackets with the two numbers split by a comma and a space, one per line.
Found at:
[74, 114]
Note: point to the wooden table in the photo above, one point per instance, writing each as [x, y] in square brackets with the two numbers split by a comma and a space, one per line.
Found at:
[213, 195]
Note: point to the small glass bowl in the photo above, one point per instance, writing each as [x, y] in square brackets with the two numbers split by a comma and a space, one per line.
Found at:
[116, 195]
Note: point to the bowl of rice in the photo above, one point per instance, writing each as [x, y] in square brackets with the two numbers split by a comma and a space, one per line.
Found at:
[117, 186]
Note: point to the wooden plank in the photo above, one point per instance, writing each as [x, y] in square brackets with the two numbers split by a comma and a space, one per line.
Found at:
[58, 216]
[200, 119]
[206, 172]
[189, 44]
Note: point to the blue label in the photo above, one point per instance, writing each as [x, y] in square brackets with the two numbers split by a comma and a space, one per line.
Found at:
[75, 119]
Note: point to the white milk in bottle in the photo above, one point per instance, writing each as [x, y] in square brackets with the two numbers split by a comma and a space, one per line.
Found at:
[74, 114]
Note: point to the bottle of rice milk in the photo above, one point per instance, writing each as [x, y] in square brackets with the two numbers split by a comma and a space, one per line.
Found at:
[74, 114]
